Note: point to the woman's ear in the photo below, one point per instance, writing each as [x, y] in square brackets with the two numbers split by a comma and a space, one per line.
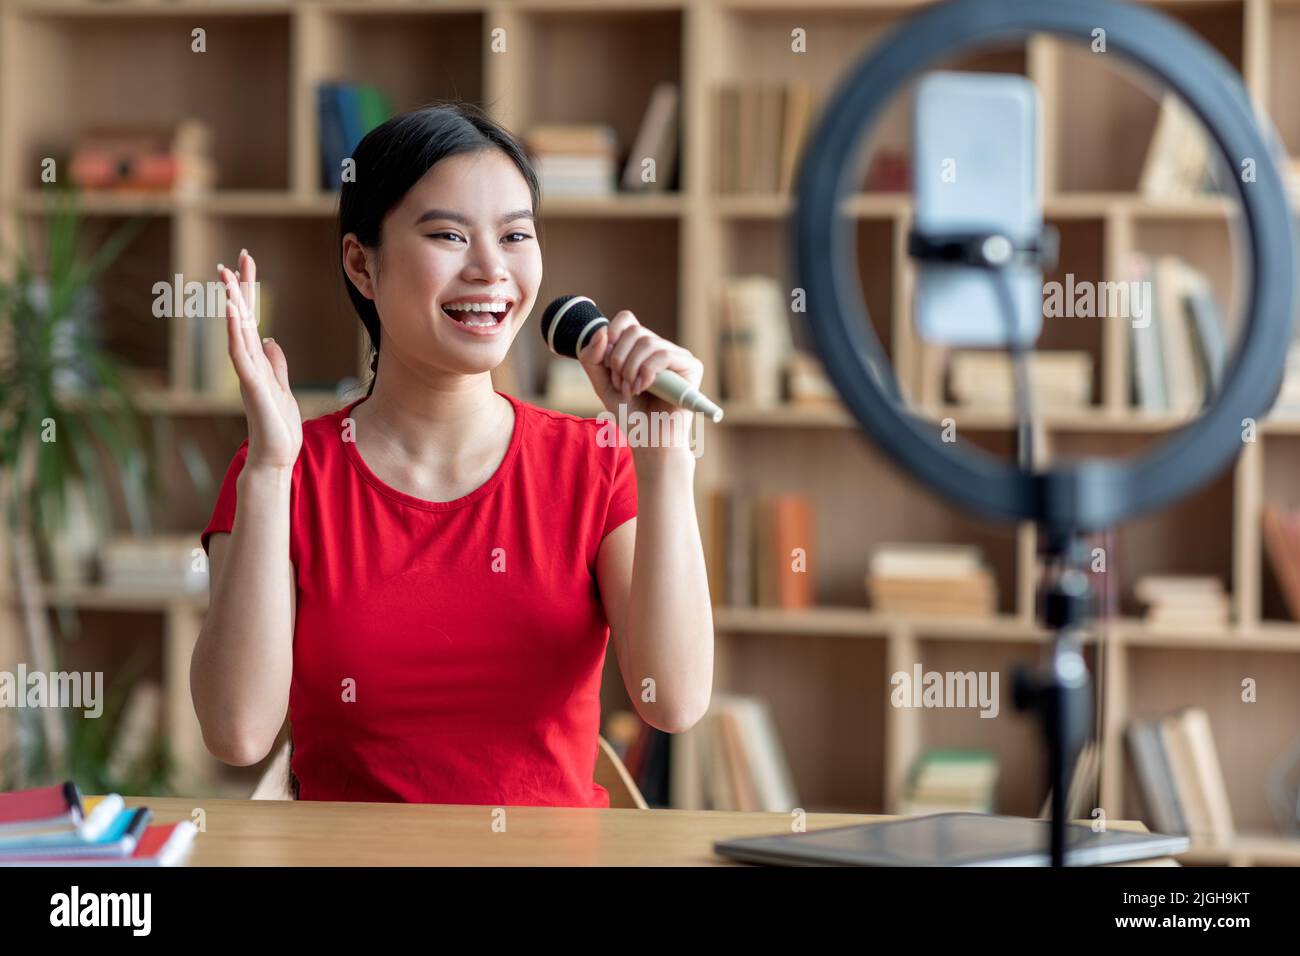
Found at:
[359, 263]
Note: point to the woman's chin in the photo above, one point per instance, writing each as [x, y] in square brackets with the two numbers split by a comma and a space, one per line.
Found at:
[480, 357]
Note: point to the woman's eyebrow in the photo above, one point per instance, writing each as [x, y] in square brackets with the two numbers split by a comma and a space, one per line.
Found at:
[465, 221]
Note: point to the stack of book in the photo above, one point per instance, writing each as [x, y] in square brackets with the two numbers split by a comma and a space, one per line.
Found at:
[758, 547]
[574, 159]
[1058, 380]
[755, 340]
[1178, 160]
[56, 826]
[1180, 776]
[762, 129]
[738, 762]
[945, 781]
[1183, 602]
[164, 562]
[346, 112]
[945, 580]
[1178, 352]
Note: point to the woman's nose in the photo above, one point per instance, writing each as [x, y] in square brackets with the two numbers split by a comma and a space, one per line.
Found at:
[485, 262]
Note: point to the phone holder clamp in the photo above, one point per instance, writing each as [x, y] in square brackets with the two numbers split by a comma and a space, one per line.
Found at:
[990, 250]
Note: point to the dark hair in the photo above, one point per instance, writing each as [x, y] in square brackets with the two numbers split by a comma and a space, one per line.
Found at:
[392, 157]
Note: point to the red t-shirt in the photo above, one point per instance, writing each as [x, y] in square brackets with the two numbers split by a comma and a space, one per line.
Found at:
[450, 651]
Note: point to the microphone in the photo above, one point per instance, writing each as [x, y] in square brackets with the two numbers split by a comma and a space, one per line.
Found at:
[572, 321]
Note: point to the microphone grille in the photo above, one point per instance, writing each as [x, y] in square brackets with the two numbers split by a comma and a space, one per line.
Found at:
[569, 323]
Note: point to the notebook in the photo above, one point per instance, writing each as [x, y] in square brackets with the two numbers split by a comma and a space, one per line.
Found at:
[118, 839]
[167, 845]
[53, 809]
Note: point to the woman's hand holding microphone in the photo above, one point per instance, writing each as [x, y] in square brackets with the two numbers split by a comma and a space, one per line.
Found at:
[622, 360]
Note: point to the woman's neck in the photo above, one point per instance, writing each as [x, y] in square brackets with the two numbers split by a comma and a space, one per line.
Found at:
[434, 420]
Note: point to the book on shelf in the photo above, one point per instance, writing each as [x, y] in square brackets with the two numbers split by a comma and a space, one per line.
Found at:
[947, 580]
[1183, 602]
[1179, 352]
[762, 130]
[1291, 177]
[806, 383]
[757, 548]
[214, 372]
[1180, 776]
[1177, 165]
[1281, 532]
[1058, 380]
[890, 172]
[1185, 390]
[345, 112]
[647, 763]
[55, 826]
[656, 140]
[138, 730]
[574, 159]
[783, 529]
[1081, 791]
[948, 781]
[755, 339]
[738, 761]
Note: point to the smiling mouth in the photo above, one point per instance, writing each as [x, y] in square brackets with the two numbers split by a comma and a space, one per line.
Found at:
[478, 318]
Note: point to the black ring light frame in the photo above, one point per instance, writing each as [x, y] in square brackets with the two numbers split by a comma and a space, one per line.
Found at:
[1088, 494]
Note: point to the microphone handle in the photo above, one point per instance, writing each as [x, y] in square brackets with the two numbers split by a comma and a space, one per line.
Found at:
[675, 390]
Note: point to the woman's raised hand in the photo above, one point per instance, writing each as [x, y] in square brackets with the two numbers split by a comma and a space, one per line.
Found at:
[274, 421]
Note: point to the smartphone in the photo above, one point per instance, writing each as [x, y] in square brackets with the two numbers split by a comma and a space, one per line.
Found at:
[976, 169]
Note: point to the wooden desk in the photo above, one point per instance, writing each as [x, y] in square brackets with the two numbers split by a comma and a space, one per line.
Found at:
[316, 833]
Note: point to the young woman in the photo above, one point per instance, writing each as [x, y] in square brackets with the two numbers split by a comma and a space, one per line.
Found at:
[425, 580]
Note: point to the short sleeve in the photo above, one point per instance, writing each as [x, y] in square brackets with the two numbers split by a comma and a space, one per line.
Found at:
[223, 512]
[622, 490]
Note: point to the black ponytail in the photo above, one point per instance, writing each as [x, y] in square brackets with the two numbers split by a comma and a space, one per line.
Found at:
[391, 158]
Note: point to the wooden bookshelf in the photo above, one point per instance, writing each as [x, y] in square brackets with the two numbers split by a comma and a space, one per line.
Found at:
[67, 63]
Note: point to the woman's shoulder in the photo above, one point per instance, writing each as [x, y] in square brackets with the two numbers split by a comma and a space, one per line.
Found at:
[550, 423]
[551, 434]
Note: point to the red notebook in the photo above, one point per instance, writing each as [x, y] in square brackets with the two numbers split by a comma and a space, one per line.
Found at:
[49, 809]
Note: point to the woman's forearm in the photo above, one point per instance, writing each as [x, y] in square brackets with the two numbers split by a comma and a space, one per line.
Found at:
[670, 614]
[243, 659]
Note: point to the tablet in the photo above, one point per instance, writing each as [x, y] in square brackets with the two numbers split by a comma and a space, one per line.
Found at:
[950, 839]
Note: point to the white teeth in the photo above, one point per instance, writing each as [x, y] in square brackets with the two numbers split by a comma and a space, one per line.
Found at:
[493, 312]
[478, 306]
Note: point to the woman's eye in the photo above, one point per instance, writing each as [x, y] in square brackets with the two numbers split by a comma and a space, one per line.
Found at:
[522, 236]
[439, 235]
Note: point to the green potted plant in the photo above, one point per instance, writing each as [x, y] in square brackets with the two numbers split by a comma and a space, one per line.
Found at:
[64, 403]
